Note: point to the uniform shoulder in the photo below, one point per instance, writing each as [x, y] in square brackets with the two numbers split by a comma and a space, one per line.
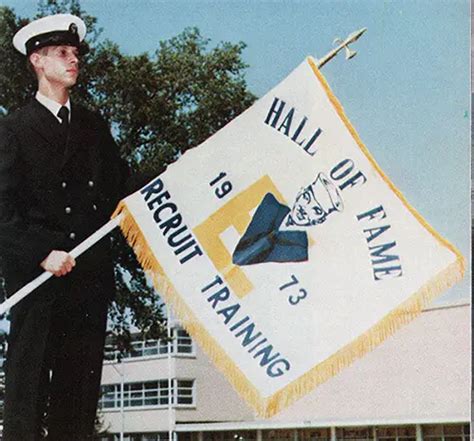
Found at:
[88, 115]
[17, 117]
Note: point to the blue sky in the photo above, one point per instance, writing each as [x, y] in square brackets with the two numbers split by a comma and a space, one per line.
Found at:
[407, 92]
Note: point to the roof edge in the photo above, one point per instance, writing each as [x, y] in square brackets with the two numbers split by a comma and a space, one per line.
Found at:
[262, 424]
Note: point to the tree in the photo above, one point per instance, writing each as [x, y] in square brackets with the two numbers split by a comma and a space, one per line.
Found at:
[159, 105]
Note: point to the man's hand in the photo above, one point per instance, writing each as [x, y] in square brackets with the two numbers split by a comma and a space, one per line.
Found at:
[59, 263]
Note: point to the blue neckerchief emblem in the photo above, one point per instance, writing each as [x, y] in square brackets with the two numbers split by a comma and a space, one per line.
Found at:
[263, 242]
[266, 241]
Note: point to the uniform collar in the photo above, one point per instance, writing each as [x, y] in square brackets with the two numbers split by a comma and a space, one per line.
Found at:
[52, 105]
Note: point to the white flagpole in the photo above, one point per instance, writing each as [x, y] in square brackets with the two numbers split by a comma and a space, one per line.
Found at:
[172, 392]
[109, 226]
[75, 252]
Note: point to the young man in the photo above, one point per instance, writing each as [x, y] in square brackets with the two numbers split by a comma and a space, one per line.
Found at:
[60, 179]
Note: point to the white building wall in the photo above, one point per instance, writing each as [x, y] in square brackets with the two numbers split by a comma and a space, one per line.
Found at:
[216, 400]
[138, 419]
[421, 374]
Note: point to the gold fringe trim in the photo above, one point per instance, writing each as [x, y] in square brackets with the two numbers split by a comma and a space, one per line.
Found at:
[163, 285]
[400, 316]
[267, 407]
[340, 111]
[366, 342]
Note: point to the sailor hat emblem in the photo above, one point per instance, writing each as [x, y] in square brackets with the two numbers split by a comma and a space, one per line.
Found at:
[53, 30]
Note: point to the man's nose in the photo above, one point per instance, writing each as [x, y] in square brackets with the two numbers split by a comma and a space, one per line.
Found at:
[73, 58]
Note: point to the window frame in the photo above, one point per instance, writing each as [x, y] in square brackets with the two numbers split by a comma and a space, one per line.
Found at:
[158, 347]
[135, 395]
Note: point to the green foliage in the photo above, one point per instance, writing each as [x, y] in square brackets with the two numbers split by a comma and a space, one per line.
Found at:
[159, 105]
[16, 83]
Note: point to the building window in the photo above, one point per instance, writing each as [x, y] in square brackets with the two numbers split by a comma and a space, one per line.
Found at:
[279, 435]
[149, 393]
[185, 392]
[439, 432]
[446, 432]
[136, 437]
[188, 436]
[354, 433]
[393, 433]
[319, 434]
[231, 435]
[184, 343]
[181, 344]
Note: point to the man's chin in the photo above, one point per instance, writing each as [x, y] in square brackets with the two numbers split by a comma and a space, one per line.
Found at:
[292, 221]
[70, 80]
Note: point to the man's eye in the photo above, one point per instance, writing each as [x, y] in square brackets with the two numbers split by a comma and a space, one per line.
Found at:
[318, 210]
[306, 196]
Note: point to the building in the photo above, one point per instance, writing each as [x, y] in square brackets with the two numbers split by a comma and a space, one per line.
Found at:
[414, 386]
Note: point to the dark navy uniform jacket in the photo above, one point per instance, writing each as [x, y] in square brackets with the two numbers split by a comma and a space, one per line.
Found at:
[55, 192]
[264, 242]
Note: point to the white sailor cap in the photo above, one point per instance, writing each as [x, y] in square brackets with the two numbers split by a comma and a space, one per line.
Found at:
[53, 30]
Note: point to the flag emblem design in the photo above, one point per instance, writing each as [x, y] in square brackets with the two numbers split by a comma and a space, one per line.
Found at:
[282, 246]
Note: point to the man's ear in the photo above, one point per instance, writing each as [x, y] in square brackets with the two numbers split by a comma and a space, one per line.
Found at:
[35, 60]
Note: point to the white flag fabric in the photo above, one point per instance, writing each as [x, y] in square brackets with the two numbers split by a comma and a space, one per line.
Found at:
[283, 248]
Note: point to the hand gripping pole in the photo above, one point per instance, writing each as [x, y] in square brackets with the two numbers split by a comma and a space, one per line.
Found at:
[75, 252]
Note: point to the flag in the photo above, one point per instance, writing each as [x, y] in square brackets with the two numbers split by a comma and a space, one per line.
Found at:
[282, 246]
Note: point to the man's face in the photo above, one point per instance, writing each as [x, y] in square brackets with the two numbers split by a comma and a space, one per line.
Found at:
[315, 202]
[306, 209]
[59, 65]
